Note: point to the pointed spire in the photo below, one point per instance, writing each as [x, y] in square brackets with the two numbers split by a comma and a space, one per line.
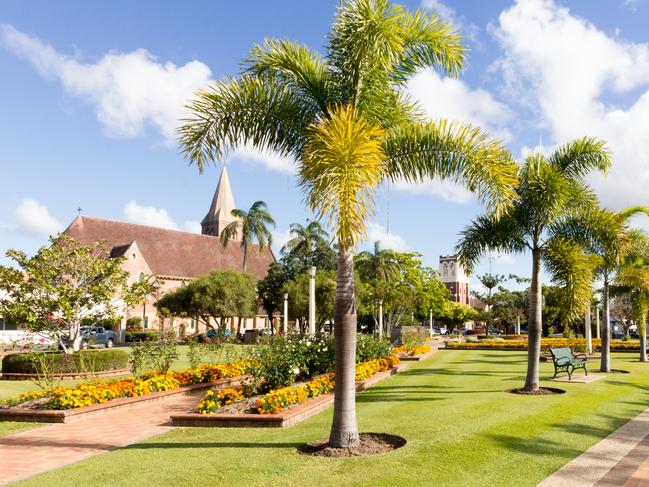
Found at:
[220, 213]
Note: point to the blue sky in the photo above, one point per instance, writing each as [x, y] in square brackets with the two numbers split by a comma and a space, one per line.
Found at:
[90, 94]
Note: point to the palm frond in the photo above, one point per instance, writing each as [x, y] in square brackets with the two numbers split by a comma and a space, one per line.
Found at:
[343, 163]
[455, 151]
[230, 232]
[582, 156]
[257, 110]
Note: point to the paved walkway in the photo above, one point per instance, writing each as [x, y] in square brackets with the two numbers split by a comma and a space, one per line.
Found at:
[619, 460]
[45, 448]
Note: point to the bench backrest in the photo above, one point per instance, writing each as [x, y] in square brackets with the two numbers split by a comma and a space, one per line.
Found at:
[559, 353]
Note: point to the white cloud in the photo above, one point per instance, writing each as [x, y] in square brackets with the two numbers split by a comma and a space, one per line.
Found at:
[449, 15]
[129, 90]
[446, 190]
[444, 97]
[280, 238]
[271, 160]
[566, 69]
[505, 259]
[632, 5]
[192, 226]
[389, 240]
[148, 215]
[34, 219]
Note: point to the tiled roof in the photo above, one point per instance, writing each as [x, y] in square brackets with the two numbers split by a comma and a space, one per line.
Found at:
[170, 252]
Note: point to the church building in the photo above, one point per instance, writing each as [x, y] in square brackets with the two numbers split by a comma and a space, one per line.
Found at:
[175, 257]
[452, 274]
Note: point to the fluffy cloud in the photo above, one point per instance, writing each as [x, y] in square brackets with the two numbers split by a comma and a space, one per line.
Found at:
[271, 160]
[280, 237]
[148, 215]
[389, 240]
[129, 90]
[448, 14]
[567, 70]
[446, 190]
[34, 219]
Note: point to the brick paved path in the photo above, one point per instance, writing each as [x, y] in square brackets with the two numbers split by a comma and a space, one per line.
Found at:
[631, 471]
[45, 448]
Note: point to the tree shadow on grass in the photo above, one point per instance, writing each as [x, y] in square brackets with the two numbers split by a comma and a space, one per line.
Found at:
[464, 373]
[534, 446]
[209, 444]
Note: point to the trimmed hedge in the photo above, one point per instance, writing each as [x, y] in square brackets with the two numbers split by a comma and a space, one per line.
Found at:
[577, 344]
[100, 360]
[141, 336]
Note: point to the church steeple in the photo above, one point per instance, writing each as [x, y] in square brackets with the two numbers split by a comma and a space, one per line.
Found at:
[220, 213]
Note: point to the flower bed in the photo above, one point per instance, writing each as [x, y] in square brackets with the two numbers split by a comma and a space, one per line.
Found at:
[100, 392]
[578, 344]
[405, 351]
[287, 406]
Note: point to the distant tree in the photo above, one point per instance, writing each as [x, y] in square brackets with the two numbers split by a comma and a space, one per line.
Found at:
[456, 314]
[62, 287]
[251, 225]
[305, 243]
[221, 294]
[380, 264]
[490, 282]
[270, 290]
[510, 307]
[325, 298]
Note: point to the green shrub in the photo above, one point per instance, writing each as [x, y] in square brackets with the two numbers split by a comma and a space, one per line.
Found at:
[22, 363]
[134, 323]
[369, 347]
[141, 336]
[154, 355]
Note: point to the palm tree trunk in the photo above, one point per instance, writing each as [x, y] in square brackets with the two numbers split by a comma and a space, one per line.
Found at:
[534, 324]
[642, 331]
[344, 429]
[245, 255]
[605, 364]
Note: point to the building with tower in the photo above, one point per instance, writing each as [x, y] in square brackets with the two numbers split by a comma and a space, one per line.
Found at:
[452, 274]
[174, 257]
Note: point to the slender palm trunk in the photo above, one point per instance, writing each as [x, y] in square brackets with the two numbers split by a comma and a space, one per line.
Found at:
[605, 364]
[245, 255]
[642, 331]
[344, 430]
[534, 320]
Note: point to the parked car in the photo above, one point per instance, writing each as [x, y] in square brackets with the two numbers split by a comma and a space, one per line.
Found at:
[97, 335]
[494, 331]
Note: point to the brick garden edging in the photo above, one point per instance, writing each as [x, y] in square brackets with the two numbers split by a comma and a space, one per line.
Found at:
[417, 358]
[70, 375]
[291, 416]
[68, 415]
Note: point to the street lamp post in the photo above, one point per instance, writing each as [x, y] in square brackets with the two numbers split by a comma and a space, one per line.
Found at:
[430, 322]
[588, 332]
[312, 270]
[381, 318]
[285, 327]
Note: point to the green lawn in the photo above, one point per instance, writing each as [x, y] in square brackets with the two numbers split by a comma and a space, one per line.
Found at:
[462, 430]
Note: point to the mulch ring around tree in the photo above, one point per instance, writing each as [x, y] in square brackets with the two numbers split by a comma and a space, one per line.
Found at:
[370, 444]
[542, 391]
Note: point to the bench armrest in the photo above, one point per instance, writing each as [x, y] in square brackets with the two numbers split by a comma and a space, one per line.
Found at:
[581, 355]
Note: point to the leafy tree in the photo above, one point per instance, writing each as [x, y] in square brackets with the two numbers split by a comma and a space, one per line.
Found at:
[348, 123]
[221, 294]
[309, 246]
[325, 297]
[62, 287]
[251, 225]
[456, 314]
[489, 281]
[270, 290]
[143, 288]
[378, 265]
[510, 306]
[551, 191]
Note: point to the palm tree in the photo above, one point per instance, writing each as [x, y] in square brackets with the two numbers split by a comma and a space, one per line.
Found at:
[550, 193]
[251, 225]
[346, 120]
[379, 264]
[633, 278]
[305, 240]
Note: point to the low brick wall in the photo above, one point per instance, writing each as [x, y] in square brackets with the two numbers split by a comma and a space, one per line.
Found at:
[417, 358]
[72, 375]
[291, 416]
[68, 415]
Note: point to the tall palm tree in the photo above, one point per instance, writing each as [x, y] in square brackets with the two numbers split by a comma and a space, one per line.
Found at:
[551, 192]
[378, 264]
[607, 235]
[633, 278]
[251, 225]
[305, 240]
[350, 107]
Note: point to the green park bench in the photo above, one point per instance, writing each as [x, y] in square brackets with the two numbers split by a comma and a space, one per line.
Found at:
[565, 361]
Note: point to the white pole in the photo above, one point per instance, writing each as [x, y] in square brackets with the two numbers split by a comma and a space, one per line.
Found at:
[597, 330]
[589, 332]
[381, 319]
[518, 325]
[430, 322]
[285, 327]
[312, 300]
